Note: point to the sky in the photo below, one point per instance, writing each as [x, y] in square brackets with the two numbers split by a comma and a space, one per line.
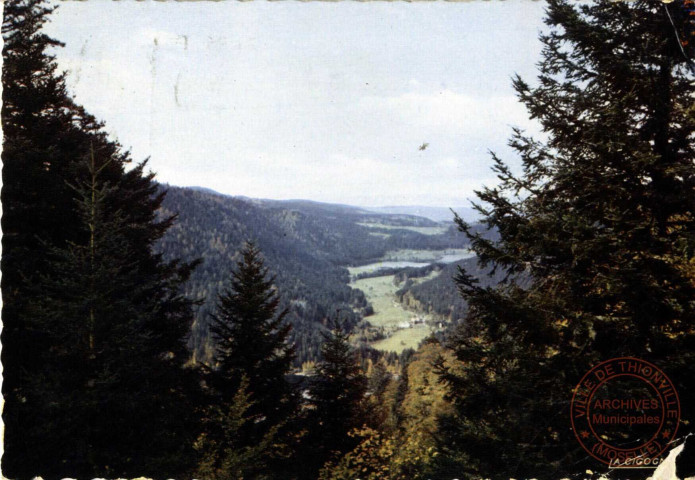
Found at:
[328, 101]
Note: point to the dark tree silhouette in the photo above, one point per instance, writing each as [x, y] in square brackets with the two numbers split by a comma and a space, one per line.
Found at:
[337, 394]
[96, 355]
[251, 347]
[600, 220]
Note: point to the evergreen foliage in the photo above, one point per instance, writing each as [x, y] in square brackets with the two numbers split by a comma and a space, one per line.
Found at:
[601, 220]
[231, 455]
[93, 323]
[337, 396]
[253, 355]
[111, 369]
[440, 295]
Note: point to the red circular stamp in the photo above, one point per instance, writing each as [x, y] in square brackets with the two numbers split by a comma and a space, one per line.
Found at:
[625, 412]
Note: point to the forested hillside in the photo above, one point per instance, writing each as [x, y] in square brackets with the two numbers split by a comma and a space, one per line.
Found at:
[440, 294]
[307, 245]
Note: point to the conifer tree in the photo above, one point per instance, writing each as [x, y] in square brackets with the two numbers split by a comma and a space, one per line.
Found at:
[109, 372]
[80, 304]
[48, 240]
[596, 235]
[33, 97]
[337, 394]
[231, 455]
[251, 343]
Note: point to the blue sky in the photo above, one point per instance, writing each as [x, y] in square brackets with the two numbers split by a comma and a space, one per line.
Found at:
[325, 101]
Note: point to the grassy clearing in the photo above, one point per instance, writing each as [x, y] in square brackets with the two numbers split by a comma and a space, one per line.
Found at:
[402, 339]
[389, 314]
[423, 230]
[380, 293]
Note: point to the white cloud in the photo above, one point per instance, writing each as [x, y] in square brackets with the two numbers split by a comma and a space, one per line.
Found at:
[452, 112]
[338, 178]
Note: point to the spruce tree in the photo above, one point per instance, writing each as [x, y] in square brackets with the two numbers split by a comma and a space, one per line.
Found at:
[251, 343]
[35, 204]
[109, 371]
[229, 454]
[50, 373]
[596, 236]
[337, 395]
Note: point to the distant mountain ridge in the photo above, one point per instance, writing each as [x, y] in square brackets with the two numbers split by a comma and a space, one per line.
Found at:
[436, 214]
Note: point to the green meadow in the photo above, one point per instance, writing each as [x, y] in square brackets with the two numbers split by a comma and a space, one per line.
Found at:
[390, 314]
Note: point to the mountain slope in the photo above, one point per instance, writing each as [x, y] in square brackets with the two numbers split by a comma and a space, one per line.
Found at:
[306, 245]
[437, 214]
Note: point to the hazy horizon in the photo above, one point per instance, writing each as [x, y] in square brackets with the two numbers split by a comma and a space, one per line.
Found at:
[306, 199]
[381, 104]
[438, 213]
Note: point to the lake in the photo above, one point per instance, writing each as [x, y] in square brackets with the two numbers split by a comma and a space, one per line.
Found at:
[416, 258]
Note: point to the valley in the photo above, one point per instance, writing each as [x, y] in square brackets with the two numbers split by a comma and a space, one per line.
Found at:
[329, 262]
[398, 325]
[401, 328]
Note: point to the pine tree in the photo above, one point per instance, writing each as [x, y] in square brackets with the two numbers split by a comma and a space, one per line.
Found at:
[251, 343]
[596, 236]
[337, 394]
[36, 208]
[231, 455]
[46, 231]
[108, 373]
